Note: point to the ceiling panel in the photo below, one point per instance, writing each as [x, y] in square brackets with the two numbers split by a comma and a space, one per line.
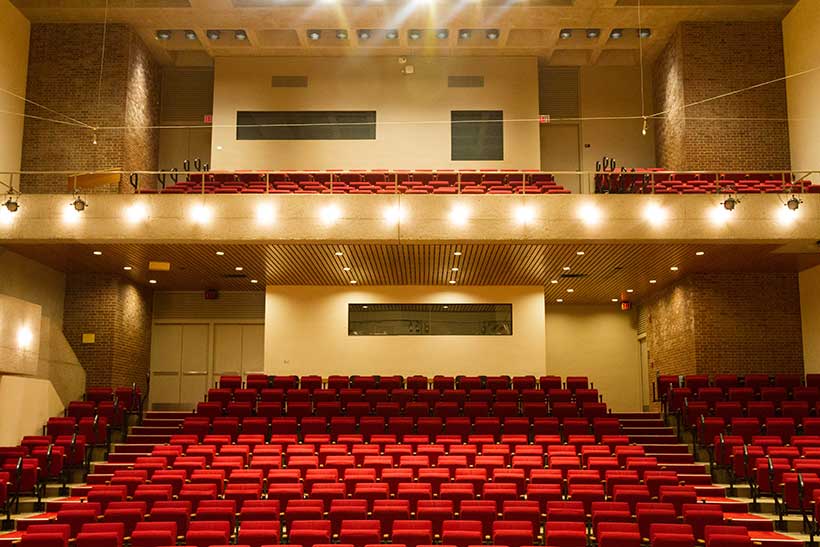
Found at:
[601, 273]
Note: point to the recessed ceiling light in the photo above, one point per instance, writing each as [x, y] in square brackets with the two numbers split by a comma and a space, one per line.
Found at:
[213, 34]
[616, 33]
[653, 281]
[457, 253]
[614, 299]
[254, 281]
[364, 307]
[341, 34]
[314, 34]
[644, 33]
[566, 268]
[559, 300]
[565, 34]
[593, 33]
[442, 34]
[452, 282]
[580, 253]
[414, 34]
[453, 269]
[700, 253]
[339, 253]
[239, 268]
[630, 290]
[127, 268]
[240, 35]
[493, 34]
[152, 281]
[190, 35]
[391, 34]
[97, 253]
[570, 290]
[363, 34]
[164, 35]
[465, 34]
[353, 281]
[674, 268]
[554, 281]
[220, 253]
[445, 307]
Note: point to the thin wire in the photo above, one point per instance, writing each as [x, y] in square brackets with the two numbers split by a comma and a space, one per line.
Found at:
[34, 117]
[640, 60]
[738, 91]
[102, 58]
[15, 95]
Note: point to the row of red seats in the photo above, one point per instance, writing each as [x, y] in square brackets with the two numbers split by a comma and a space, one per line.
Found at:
[711, 398]
[416, 382]
[405, 428]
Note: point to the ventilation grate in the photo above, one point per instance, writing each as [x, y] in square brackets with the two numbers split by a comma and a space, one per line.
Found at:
[558, 92]
[187, 96]
[465, 81]
[289, 81]
[192, 305]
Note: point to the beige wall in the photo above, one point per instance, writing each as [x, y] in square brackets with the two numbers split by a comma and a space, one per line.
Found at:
[600, 342]
[615, 91]
[306, 333]
[801, 42]
[511, 85]
[39, 399]
[14, 28]
[810, 314]
[19, 336]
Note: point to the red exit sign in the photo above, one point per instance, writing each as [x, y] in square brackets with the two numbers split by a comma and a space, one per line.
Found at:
[209, 118]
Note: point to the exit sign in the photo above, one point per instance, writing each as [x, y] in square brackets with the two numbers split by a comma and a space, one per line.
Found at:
[544, 118]
[209, 118]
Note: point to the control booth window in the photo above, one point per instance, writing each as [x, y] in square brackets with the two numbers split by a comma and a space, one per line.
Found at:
[429, 319]
[477, 135]
[305, 125]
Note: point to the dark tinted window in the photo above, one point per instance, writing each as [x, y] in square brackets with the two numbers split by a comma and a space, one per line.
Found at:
[306, 125]
[430, 319]
[477, 135]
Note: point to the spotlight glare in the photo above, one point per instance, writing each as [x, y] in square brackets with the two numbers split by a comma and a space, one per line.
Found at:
[394, 214]
[201, 214]
[590, 214]
[655, 214]
[719, 215]
[136, 213]
[330, 214]
[24, 337]
[525, 214]
[264, 214]
[71, 215]
[786, 215]
[459, 215]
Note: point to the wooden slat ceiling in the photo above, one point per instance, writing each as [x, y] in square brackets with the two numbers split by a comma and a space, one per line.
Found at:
[603, 272]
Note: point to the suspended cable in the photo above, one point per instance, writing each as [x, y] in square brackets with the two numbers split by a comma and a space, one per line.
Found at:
[52, 120]
[15, 95]
[640, 64]
[102, 61]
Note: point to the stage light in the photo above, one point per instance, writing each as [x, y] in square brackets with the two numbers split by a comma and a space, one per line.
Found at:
[525, 214]
[200, 214]
[136, 213]
[730, 203]
[265, 215]
[459, 215]
[24, 337]
[719, 215]
[394, 214]
[590, 215]
[655, 214]
[794, 203]
[79, 204]
[330, 214]
[11, 204]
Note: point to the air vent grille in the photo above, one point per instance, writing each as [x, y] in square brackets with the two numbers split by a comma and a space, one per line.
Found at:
[192, 305]
[187, 96]
[289, 81]
[558, 93]
[465, 81]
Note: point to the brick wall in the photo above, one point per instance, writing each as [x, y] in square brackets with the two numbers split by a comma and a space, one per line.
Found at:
[119, 314]
[730, 322]
[64, 73]
[704, 60]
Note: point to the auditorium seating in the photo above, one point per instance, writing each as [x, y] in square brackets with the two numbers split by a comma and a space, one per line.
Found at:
[661, 181]
[366, 182]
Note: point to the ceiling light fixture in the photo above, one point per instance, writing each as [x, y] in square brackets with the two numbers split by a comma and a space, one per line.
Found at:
[653, 281]
[363, 34]
[220, 253]
[565, 34]
[453, 269]
[465, 34]
[79, 203]
[616, 34]
[339, 253]
[554, 281]
[391, 34]
[580, 253]
[644, 33]
[11, 204]
[240, 35]
[630, 290]
[456, 253]
[164, 35]
[190, 35]
[699, 253]
[593, 33]
[97, 253]
[493, 34]
[341, 34]
[559, 300]
[314, 34]
[254, 281]
[346, 269]
[566, 268]
[127, 268]
[442, 34]
[414, 34]
[152, 281]
[794, 203]
[452, 282]
[353, 281]
[614, 299]
[239, 268]
[570, 290]
[213, 34]
[674, 268]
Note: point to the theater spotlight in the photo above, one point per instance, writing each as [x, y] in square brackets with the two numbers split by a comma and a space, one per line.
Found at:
[730, 203]
[794, 203]
[79, 203]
